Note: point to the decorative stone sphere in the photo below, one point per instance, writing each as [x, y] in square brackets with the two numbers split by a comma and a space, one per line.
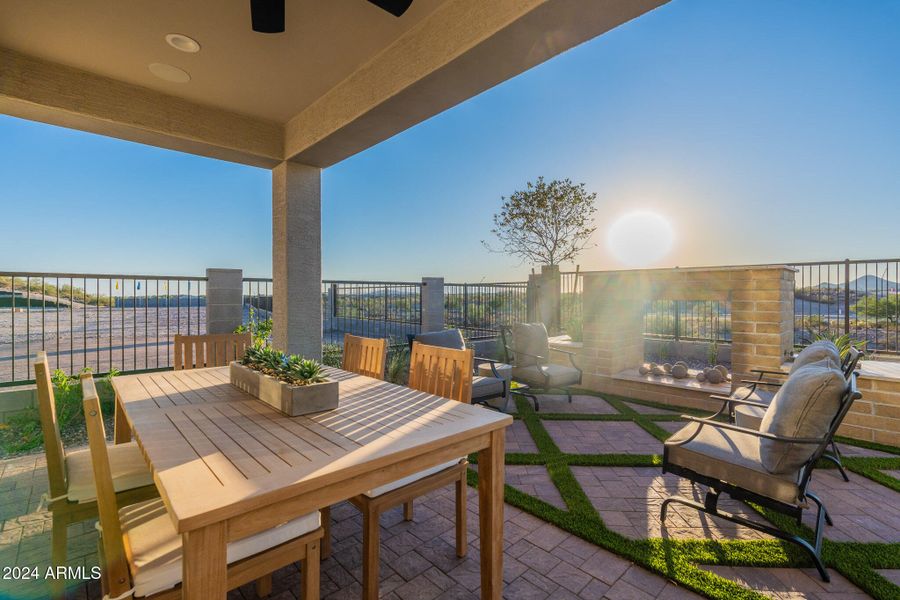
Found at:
[653, 365]
[721, 369]
[658, 370]
[667, 367]
[644, 369]
[679, 371]
[682, 363]
[714, 376]
[701, 376]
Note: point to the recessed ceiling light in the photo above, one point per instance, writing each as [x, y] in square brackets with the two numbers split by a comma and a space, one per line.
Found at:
[179, 41]
[169, 73]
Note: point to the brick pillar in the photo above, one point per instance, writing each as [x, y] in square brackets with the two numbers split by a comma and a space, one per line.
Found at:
[613, 322]
[224, 300]
[549, 303]
[532, 298]
[762, 319]
[432, 304]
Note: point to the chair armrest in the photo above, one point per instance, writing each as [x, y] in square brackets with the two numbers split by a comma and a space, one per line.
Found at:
[755, 382]
[494, 372]
[739, 401]
[514, 351]
[768, 372]
[753, 432]
[571, 356]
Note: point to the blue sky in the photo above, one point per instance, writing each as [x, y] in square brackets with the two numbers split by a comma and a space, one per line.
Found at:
[763, 131]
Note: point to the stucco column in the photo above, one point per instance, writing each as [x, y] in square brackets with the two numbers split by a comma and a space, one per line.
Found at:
[549, 303]
[432, 304]
[613, 316]
[297, 259]
[224, 299]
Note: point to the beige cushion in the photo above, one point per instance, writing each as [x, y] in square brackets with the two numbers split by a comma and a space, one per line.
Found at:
[732, 457]
[560, 376]
[447, 338]
[748, 416]
[818, 350]
[154, 554]
[129, 471]
[389, 487]
[804, 407]
[759, 394]
[485, 387]
[530, 340]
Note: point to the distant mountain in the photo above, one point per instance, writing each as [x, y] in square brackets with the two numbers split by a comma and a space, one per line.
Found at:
[864, 284]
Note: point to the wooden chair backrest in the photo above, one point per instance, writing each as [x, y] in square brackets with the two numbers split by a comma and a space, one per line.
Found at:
[364, 355]
[116, 565]
[53, 446]
[442, 371]
[212, 350]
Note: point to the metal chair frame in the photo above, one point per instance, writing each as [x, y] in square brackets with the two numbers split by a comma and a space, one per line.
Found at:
[717, 486]
[509, 352]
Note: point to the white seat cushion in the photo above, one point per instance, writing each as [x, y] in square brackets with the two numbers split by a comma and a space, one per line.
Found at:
[129, 471]
[748, 416]
[154, 547]
[389, 487]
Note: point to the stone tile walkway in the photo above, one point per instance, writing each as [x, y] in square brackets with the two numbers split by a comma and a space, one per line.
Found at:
[535, 481]
[793, 584]
[602, 437]
[862, 510]
[629, 499]
[583, 405]
[519, 440]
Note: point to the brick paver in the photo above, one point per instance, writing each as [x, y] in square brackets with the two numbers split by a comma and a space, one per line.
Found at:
[602, 437]
[862, 510]
[534, 480]
[518, 439]
[583, 405]
[651, 410]
[670, 426]
[629, 499]
[794, 584]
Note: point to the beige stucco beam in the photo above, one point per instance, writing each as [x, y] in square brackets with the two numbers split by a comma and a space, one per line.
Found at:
[462, 49]
[39, 90]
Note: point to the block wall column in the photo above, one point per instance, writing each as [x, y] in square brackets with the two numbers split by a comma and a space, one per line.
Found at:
[613, 324]
[762, 319]
[297, 259]
[224, 300]
[549, 303]
[432, 304]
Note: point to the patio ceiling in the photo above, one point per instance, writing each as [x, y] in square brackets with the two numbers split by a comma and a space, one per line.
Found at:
[344, 75]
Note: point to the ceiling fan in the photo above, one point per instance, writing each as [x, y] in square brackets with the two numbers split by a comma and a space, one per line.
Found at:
[268, 15]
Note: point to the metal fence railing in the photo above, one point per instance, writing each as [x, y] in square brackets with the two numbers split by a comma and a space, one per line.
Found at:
[859, 298]
[479, 309]
[570, 302]
[684, 320]
[102, 322]
[381, 309]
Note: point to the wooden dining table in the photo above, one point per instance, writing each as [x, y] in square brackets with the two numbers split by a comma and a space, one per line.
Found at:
[228, 465]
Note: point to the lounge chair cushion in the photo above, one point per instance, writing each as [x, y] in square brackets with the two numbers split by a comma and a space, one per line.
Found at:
[732, 457]
[155, 546]
[129, 471]
[390, 487]
[448, 338]
[804, 407]
[530, 340]
[486, 387]
[547, 376]
[818, 350]
[749, 416]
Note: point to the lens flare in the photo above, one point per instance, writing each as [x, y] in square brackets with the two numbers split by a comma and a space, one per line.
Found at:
[640, 238]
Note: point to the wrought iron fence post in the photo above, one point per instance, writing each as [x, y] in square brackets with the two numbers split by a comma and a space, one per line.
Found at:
[847, 296]
[677, 331]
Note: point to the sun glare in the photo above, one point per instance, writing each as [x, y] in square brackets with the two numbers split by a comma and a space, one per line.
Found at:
[640, 238]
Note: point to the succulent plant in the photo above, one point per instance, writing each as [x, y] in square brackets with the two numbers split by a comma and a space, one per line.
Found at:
[303, 371]
[293, 369]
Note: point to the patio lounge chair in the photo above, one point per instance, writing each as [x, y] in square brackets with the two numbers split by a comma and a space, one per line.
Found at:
[750, 414]
[484, 389]
[771, 466]
[72, 497]
[527, 349]
[444, 372]
[140, 549]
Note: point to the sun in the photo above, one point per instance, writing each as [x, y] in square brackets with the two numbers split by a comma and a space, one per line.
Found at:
[640, 238]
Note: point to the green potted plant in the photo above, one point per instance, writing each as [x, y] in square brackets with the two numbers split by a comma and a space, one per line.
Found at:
[290, 383]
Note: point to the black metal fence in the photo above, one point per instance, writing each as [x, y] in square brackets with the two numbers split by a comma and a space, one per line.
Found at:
[857, 298]
[682, 320]
[381, 309]
[102, 322]
[479, 309]
[570, 303]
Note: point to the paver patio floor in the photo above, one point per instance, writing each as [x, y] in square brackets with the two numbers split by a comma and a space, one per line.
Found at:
[541, 560]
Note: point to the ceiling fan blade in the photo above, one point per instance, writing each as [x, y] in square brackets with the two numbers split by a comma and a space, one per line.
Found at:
[395, 7]
[267, 15]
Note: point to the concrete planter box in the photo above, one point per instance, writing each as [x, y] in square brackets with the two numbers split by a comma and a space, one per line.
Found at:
[290, 399]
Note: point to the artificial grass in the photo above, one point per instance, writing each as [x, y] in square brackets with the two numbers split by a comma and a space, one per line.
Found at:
[680, 560]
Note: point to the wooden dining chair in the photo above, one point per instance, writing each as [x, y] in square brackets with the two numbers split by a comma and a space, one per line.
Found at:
[364, 356]
[211, 350]
[140, 549]
[444, 372]
[72, 497]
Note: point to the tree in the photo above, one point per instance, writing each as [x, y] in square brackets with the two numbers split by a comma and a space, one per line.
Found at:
[886, 308]
[546, 223]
